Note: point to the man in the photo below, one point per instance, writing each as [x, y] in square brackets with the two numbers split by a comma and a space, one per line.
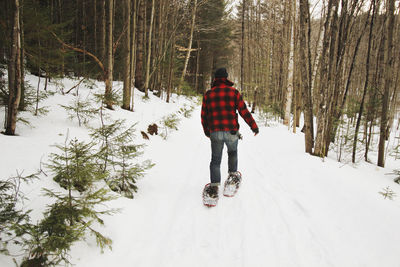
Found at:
[220, 124]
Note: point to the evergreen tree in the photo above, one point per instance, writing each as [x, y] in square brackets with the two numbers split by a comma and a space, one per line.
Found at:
[118, 156]
[11, 216]
[82, 110]
[74, 213]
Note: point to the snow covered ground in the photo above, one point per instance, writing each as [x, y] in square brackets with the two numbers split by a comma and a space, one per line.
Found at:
[293, 209]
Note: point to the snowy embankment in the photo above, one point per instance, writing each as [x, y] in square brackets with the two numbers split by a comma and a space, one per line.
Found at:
[292, 209]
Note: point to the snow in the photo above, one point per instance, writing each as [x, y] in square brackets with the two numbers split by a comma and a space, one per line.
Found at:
[292, 209]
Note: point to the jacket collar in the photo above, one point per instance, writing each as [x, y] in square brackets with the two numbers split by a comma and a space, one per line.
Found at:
[219, 81]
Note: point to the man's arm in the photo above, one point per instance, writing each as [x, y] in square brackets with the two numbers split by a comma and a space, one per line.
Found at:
[246, 115]
[204, 121]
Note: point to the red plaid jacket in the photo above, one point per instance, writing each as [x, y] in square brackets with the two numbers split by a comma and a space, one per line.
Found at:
[218, 111]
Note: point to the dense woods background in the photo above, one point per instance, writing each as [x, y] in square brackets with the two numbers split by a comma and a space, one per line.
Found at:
[338, 66]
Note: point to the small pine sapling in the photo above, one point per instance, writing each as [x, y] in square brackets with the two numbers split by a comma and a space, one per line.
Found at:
[118, 156]
[11, 216]
[105, 136]
[75, 210]
[186, 111]
[169, 122]
[112, 97]
[388, 193]
[33, 98]
[82, 110]
[396, 150]
[266, 115]
[75, 166]
[344, 136]
[397, 173]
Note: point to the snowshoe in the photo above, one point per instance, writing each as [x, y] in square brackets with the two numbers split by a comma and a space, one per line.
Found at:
[210, 195]
[232, 184]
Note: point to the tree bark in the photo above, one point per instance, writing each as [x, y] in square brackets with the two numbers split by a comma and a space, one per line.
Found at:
[361, 110]
[289, 92]
[103, 30]
[387, 81]
[109, 79]
[21, 105]
[126, 97]
[172, 56]
[304, 62]
[326, 86]
[242, 48]
[146, 85]
[133, 50]
[14, 73]
[139, 83]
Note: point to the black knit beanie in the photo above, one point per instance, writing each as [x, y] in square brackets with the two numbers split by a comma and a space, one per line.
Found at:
[221, 73]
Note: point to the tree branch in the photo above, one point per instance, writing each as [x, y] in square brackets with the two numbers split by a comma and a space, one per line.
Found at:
[99, 63]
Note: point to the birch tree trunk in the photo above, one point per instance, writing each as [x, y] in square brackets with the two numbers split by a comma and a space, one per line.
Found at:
[326, 83]
[387, 81]
[14, 73]
[289, 92]
[146, 85]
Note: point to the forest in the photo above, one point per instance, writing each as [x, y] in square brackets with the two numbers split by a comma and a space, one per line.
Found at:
[328, 68]
[340, 66]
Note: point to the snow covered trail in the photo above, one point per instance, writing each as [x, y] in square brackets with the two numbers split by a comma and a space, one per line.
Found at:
[292, 209]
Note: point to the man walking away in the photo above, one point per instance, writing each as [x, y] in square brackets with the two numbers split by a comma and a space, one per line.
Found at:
[220, 124]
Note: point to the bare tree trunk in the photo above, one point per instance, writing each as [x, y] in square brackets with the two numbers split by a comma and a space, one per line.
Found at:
[387, 81]
[189, 48]
[146, 85]
[242, 48]
[109, 78]
[133, 51]
[196, 83]
[172, 56]
[21, 105]
[14, 73]
[341, 108]
[304, 62]
[296, 74]
[103, 30]
[95, 26]
[126, 98]
[289, 92]
[361, 110]
[326, 81]
[39, 63]
[171, 69]
[139, 83]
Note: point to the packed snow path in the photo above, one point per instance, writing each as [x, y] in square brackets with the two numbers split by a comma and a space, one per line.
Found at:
[291, 210]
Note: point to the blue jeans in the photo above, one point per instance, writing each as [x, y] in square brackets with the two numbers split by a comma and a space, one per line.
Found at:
[218, 139]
